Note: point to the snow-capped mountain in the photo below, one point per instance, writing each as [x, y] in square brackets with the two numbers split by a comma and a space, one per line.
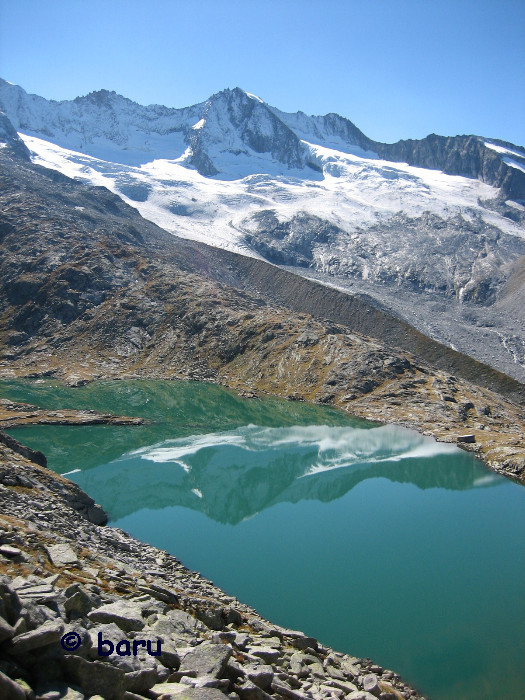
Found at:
[421, 226]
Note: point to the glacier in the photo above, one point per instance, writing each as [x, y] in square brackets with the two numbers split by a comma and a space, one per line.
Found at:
[314, 194]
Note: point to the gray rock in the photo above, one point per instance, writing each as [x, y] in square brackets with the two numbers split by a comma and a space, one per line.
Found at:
[79, 603]
[241, 640]
[334, 672]
[298, 666]
[301, 641]
[211, 617]
[58, 691]
[250, 691]
[95, 678]
[466, 438]
[179, 626]
[168, 690]
[169, 656]
[285, 691]
[10, 604]
[20, 626]
[62, 555]
[207, 659]
[371, 685]
[10, 690]
[142, 680]
[8, 551]
[46, 634]
[161, 593]
[6, 631]
[96, 515]
[126, 615]
[35, 615]
[109, 632]
[205, 682]
[348, 665]
[202, 694]
[345, 686]
[262, 675]
[268, 654]
[232, 616]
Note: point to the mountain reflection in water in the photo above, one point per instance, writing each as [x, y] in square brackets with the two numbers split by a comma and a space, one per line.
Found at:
[232, 475]
[374, 539]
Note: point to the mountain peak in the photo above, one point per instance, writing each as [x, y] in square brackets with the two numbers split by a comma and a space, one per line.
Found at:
[235, 133]
[237, 92]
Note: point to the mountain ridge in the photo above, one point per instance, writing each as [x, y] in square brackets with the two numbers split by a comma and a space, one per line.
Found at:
[466, 155]
[235, 173]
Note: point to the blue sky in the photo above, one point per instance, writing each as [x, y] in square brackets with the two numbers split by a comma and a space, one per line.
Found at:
[396, 68]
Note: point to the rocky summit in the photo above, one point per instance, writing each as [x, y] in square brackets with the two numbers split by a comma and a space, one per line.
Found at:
[87, 611]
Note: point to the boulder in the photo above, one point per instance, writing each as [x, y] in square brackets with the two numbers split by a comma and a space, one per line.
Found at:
[62, 555]
[6, 631]
[10, 690]
[124, 614]
[95, 677]
[46, 634]
[207, 659]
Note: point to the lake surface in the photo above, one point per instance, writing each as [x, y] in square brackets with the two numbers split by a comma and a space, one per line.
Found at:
[374, 539]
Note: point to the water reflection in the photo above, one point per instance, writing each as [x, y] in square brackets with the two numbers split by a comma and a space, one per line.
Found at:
[233, 475]
[172, 409]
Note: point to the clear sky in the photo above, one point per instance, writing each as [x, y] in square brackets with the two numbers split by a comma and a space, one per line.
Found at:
[396, 68]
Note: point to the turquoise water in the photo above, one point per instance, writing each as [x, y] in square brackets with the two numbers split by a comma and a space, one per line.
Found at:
[373, 539]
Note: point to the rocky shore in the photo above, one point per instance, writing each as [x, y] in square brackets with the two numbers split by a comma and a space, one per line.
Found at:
[67, 580]
[14, 414]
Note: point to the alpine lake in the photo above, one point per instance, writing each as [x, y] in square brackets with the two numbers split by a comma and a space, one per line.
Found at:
[378, 541]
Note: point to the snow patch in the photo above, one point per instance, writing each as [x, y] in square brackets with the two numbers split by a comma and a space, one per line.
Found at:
[514, 164]
[504, 150]
[199, 125]
[254, 97]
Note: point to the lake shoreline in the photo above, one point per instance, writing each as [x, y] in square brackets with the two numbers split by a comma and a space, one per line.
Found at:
[55, 554]
[475, 419]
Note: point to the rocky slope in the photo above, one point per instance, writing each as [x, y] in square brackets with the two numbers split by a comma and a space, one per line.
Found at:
[91, 290]
[65, 580]
[431, 229]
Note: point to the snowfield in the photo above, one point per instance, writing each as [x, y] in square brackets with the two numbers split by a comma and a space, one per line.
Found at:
[353, 193]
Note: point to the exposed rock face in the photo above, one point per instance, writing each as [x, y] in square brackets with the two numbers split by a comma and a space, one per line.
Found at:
[243, 123]
[86, 611]
[460, 155]
[459, 258]
[233, 120]
[456, 155]
[9, 138]
[230, 121]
